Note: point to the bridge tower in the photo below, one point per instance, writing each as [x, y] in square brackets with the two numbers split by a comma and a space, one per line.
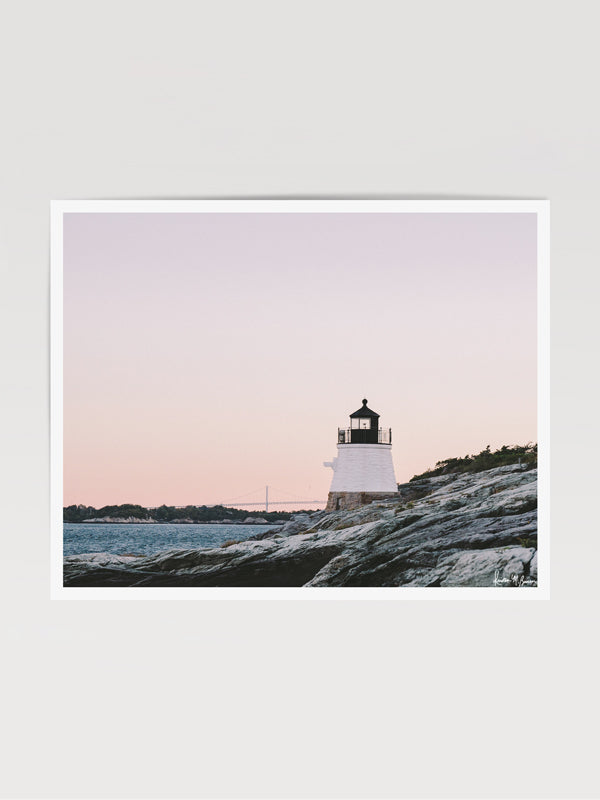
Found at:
[363, 470]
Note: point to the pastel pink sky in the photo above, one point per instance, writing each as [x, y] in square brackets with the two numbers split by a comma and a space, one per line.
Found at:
[207, 355]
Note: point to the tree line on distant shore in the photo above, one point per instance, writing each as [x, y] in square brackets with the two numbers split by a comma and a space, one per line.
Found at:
[524, 454]
[170, 513]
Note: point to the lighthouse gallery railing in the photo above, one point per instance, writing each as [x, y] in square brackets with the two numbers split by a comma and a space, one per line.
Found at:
[364, 436]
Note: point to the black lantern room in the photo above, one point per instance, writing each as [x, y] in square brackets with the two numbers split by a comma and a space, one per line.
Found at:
[364, 428]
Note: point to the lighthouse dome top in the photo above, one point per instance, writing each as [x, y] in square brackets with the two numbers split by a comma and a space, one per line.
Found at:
[365, 411]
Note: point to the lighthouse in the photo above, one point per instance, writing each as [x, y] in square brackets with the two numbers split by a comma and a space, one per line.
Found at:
[363, 470]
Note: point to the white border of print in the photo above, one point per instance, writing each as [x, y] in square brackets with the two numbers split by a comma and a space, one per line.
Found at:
[539, 207]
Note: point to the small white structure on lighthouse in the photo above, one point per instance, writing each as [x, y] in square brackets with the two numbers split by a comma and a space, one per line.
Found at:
[363, 470]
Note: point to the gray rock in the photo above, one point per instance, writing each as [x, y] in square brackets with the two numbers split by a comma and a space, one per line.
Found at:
[297, 524]
[533, 567]
[475, 568]
[465, 530]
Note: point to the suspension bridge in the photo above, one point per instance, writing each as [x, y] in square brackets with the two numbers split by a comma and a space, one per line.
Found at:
[293, 500]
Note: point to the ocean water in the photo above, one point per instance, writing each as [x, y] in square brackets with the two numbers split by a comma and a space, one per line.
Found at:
[148, 539]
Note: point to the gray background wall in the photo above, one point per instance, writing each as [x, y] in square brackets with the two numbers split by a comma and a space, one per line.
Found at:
[298, 699]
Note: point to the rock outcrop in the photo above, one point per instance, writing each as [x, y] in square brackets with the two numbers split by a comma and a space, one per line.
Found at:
[459, 530]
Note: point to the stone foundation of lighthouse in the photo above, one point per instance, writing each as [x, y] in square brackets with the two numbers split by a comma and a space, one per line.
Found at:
[362, 473]
[337, 501]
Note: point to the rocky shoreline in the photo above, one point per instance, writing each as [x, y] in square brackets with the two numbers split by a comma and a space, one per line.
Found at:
[457, 530]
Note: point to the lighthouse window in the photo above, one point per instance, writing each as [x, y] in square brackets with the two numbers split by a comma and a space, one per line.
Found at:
[362, 422]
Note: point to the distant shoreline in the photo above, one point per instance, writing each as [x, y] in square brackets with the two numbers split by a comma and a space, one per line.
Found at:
[130, 513]
[168, 522]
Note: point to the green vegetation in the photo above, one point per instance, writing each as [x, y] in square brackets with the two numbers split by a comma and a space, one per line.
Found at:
[528, 541]
[81, 513]
[524, 454]
[170, 513]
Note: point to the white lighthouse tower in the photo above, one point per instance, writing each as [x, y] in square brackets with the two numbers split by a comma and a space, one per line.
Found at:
[363, 470]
